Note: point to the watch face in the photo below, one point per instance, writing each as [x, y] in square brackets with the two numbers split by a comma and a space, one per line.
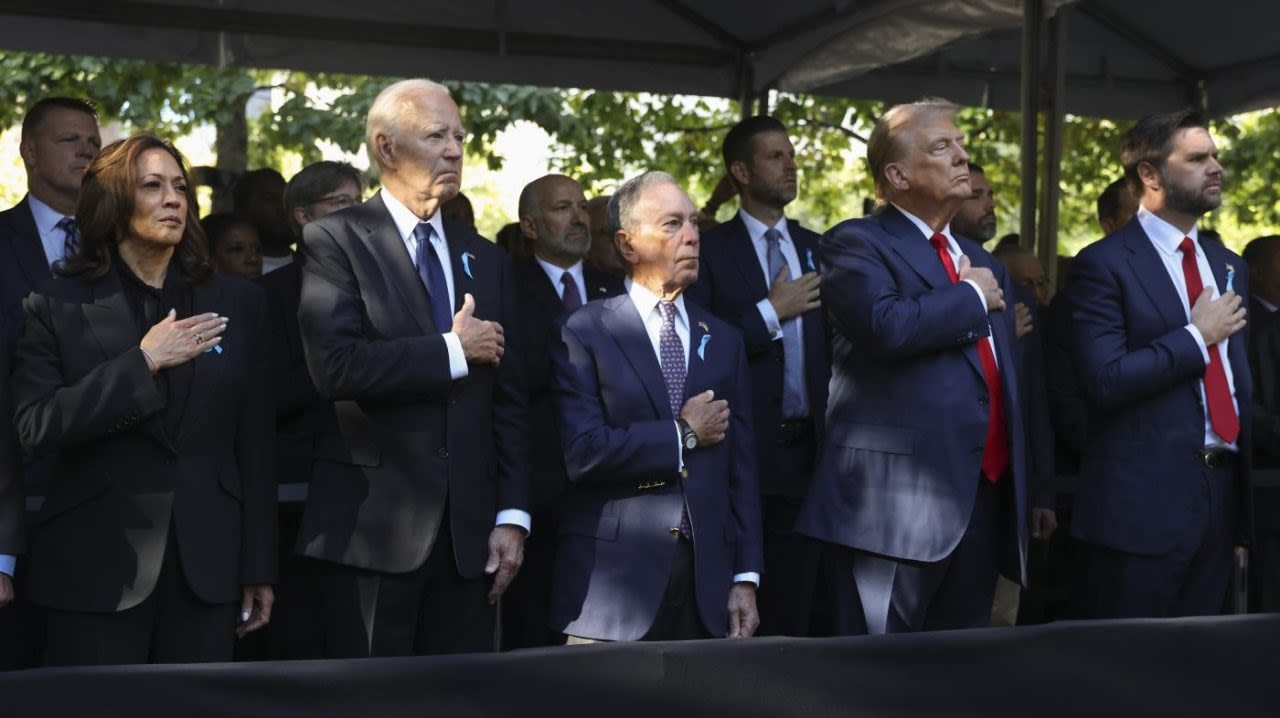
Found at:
[691, 442]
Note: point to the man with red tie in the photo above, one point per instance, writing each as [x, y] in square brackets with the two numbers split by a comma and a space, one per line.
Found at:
[1163, 495]
[921, 486]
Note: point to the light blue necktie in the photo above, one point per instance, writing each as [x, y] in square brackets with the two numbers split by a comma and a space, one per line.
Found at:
[795, 405]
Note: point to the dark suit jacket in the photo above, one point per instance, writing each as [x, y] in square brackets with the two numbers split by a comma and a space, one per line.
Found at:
[24, 266]
[83, 395]
[907, 416]
[1140, 474]
[302, 415]
[410, 440]
[730, 283]
[1033, 389]
[622, 454]
[538, 307]
[1264, 360]
[1068, 408]
[13, 538]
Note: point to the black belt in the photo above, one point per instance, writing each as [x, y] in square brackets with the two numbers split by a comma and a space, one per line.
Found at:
[1217, 458]
[792, 431]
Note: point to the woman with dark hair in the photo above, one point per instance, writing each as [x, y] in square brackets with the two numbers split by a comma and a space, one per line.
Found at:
[142, 374]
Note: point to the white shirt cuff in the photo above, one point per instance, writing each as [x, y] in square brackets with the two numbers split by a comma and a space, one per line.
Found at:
[1204, 348]
[770, 317]
[680, 446]
[981, 297]
[7, 563]
[748, 577]
[515, 517]
[457, 359]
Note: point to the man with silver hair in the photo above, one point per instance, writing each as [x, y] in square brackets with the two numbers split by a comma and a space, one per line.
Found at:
[660, 530]
[423, 488]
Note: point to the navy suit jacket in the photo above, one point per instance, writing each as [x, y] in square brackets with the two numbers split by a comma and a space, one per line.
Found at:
[622, 455]
[538, 309]
[730, 283]
[410, 440]
[907, 416]
[1140, 473]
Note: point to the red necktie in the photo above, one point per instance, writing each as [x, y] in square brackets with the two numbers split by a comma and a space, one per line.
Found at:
[995, 453]
[1217, 394]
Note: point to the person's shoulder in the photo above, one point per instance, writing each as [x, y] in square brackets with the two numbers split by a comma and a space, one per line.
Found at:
[65, 289]
[800, 232]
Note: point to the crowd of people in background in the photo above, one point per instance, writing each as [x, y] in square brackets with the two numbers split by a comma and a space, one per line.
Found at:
[343, 416]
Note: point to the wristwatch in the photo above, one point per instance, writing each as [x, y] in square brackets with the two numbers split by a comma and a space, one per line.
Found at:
[688, 437]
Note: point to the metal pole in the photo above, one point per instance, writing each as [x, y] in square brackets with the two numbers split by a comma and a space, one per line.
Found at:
[746, 85]
[1047, 241]
[1031, 21]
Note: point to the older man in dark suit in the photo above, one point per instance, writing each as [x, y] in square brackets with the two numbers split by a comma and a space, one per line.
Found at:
[660, 529]
[758, 272]
[554, 281]
[922, 479]
[423, 489]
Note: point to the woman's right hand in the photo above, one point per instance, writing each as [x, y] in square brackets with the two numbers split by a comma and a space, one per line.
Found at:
[174, 341]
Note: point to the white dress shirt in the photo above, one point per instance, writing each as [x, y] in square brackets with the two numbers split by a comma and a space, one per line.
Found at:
[52, 239]
[556, 275]
[406, 222]
[953, 248]
[1166, 238]
[271, 264]
[646, 303]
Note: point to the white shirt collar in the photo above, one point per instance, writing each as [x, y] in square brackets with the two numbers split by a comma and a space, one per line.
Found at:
[646, 301]
[1163, 235]
[925, 229]
[406, 221]
[756, 228]
[46, 217]
[554, 273]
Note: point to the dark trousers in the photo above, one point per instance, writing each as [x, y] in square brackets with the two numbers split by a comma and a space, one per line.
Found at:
[678, 618]
[878, 594]
[1191, 580]
[526, 606]
[172, 625]
[429, 610]
[791, 562]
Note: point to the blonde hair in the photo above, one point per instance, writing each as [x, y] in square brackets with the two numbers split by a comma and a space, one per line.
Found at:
[884, 146]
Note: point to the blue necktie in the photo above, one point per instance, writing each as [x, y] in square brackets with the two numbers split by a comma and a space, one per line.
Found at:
[71, 236]
[795, 405]
[433, 277]
[673, 375]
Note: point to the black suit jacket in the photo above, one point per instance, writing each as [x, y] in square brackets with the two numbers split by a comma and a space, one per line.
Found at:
[538, 307]
[302, 415]
[1264, 362]
[83, 395]
[12, 534]
[24, 265]
[410, 440]
[730, 283]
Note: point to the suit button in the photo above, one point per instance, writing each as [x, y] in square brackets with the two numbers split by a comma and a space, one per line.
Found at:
[982, 400]
[443, 453]
[674, 530]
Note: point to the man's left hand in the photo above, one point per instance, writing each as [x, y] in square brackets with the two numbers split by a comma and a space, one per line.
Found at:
[6, 590]
[1043, 523]
[1023, 316]
[506, 553]
[744, 619]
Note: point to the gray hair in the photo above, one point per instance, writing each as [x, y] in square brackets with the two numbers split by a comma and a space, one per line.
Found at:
[622, 204]
[388, 108]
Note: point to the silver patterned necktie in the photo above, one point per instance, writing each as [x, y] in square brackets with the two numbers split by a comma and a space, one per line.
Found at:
[795, 405]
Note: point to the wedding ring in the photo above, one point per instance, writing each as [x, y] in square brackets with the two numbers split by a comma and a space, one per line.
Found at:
[199, 339]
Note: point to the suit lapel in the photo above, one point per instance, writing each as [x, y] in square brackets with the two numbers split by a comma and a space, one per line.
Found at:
[623, 323]
[1236, 346]
[111, 321]
[1149, 268]
[971, 350]
[698, 374]
[464, 264]
[387, 247]
[745, 259]
[814, 332]
[599, 284]
[912, 246]
[27, 245]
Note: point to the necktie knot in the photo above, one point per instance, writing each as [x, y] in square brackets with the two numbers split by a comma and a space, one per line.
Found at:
[772, 236]
[939, 241]
[1187, 246]
[423, 232]
[668, 310]
[569, 295]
